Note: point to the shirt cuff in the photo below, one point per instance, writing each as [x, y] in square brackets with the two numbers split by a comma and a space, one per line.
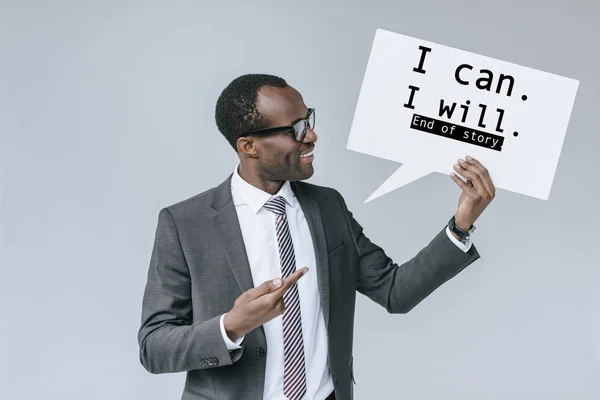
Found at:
[463, 246]
[230, 345]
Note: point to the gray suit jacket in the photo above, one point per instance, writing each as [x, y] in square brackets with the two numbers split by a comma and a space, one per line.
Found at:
[199, 267]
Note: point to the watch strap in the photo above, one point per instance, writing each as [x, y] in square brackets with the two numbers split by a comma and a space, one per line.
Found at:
[463, 235]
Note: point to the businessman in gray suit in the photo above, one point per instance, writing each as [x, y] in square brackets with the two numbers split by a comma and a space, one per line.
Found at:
[252, 284]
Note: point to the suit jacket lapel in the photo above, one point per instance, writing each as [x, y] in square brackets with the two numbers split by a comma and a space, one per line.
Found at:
[227, 226]
[312, 212]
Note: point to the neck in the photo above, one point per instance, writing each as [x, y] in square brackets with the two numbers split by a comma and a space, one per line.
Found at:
[253, 177]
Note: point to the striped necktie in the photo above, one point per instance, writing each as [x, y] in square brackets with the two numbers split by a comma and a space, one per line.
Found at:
[294, 376]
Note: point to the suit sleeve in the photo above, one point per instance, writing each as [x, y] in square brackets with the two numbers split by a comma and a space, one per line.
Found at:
[399, 288]
[463, 246]
[169, 340]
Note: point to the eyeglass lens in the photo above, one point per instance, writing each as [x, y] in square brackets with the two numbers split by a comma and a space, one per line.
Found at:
[301, 126]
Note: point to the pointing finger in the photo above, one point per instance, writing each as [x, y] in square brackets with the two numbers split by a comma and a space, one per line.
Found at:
[266, 287]
[290, 281]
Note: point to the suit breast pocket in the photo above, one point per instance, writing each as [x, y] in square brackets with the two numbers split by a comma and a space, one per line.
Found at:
[337, 253]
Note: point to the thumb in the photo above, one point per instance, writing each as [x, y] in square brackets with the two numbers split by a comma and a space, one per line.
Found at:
[267, 286]
[277, 282]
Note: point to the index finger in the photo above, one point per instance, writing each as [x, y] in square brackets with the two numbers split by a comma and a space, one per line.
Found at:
[475, 162]
[290, 281]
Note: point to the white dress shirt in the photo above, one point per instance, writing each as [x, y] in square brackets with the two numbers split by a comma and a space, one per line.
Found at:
[258, 231]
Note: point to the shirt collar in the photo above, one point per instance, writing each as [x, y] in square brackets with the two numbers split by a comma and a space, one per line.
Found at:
[254, 197]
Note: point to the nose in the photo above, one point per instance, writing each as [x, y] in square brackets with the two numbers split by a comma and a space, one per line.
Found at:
[311, 136]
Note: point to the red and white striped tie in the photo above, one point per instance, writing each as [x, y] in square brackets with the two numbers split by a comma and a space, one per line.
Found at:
[294, 376]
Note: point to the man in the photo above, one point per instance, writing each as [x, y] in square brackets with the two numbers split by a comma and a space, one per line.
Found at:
[215, 305]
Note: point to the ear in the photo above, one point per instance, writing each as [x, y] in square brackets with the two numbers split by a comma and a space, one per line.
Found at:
[247, 147]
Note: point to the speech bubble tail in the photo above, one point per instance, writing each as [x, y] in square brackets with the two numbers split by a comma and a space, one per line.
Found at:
[406, 174]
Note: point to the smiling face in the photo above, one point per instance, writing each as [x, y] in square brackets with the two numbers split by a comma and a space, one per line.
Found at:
[278, 156]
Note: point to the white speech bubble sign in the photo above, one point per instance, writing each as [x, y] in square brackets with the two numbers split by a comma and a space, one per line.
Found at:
[426, 105]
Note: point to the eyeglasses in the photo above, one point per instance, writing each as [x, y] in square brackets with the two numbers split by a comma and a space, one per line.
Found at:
[299, 127]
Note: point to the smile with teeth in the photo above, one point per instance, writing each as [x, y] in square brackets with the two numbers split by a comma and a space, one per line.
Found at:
[310, 153]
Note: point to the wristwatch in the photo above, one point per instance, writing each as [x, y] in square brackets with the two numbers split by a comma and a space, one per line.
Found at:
[463, 235]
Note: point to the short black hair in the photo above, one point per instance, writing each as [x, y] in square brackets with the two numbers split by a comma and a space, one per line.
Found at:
[235, 112]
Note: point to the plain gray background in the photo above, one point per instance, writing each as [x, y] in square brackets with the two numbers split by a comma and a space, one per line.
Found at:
[108, 116]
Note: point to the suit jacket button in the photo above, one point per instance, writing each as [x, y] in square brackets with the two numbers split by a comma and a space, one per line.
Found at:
[260, 351]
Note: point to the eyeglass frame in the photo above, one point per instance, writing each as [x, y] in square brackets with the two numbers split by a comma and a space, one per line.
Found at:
[264, 131]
